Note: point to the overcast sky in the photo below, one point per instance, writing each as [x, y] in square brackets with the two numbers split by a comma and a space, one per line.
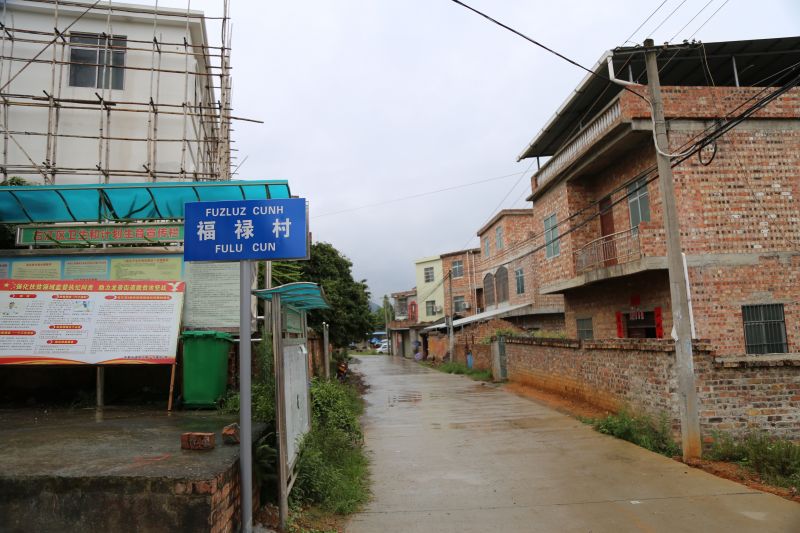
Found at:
[367, 101]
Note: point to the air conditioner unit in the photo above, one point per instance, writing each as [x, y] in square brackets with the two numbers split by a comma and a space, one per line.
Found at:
[438, 309]
[465, 306]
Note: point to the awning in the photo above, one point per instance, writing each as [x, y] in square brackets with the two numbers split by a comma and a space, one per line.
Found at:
[302, 295]
[123, 202]
[513, 310]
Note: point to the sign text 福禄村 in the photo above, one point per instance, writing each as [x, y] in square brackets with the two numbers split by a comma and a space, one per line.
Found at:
[246, 229]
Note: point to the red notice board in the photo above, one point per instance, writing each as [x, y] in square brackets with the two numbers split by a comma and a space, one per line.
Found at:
[89, 322]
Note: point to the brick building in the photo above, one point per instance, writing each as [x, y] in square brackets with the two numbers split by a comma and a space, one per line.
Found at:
[506, 273]
[404, 329]
[599, 239]
[461, 288]
[736, 203]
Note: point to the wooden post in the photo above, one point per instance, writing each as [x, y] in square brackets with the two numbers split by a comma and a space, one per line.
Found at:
[101, 385]
[171, 387]
[678, 282]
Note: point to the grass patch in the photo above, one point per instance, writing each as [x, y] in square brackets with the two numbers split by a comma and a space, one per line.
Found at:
[777, 461]
[461, 368]
[642, 430]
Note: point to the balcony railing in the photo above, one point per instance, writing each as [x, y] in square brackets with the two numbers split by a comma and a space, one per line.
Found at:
[609, 250]
[590, 134]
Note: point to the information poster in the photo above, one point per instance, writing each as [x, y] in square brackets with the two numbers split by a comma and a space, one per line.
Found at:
[86, 268]
[295, 372]
[152, 267]
[212, 296]
[91, 322]
[37, 269]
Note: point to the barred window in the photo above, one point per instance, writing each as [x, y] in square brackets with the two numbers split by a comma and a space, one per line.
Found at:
[639, 202]
[428, 274]
[498, 238]
[764, 329]
[585, 330]
[430, 307]
[459, 304]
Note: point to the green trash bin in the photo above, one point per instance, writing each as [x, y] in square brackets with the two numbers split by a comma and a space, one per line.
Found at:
[205, 367]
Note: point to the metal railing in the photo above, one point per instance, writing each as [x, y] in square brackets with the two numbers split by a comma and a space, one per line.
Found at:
[589, 134]
[608, 250]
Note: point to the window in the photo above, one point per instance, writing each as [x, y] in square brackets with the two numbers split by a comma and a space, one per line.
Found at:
[519, 274]
[639, 202]
[501, 284]
[430, 307]
[764, 329]
[498, 238]
[552, 244]
[486, 246]
[641, 325]
[428, 274]
[402, 307]
[97, 61]
[459, 304]
[457, 269]
[488, 289]
[585, 331]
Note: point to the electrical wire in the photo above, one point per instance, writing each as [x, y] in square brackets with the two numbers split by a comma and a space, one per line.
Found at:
[419, 195]
[667, 18]
[691, 20]
[628, 40]
[709, 18]
[540, 45]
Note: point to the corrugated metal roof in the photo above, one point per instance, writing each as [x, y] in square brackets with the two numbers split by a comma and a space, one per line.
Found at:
[123, 201]
[757, 61]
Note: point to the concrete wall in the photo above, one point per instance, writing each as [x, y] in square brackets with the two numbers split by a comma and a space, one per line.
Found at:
[84, 152]
[734, 396]
[429, 291]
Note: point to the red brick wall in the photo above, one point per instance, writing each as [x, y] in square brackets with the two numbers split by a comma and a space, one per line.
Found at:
[462, 286]
[641, 375]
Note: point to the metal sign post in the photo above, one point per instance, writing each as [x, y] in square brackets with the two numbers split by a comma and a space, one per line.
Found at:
[326, 351]
[245, 230]
[280, 409]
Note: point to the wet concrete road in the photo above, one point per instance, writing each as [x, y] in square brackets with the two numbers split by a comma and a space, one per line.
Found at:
[451, 454]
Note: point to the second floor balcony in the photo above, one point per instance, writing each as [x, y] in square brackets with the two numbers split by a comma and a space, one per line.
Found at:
[609, 250]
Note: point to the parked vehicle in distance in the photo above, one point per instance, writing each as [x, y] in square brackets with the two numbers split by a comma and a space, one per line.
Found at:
[383, 348]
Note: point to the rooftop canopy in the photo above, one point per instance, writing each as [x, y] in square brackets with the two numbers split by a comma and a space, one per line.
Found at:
[302, 295]
[123, 202]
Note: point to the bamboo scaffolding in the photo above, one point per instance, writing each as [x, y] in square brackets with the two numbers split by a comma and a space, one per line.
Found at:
[203, 114]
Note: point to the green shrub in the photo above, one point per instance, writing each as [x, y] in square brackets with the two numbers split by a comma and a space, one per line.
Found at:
[332, 467]
[640, 430]
[777, 461]
[548, 334]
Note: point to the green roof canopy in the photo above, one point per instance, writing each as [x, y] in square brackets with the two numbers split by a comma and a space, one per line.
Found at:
[302, 295]
[123, 202]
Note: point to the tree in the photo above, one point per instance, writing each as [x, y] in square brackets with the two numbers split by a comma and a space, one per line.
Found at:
[379, 315]
[349, 317]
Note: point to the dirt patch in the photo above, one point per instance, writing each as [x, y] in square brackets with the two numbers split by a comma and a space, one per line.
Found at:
[745, 476]
[563, 404]
[579, 409]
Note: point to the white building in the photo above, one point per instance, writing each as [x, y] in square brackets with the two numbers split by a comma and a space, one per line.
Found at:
[121, 93]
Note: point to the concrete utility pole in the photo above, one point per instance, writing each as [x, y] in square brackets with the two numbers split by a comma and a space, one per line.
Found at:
[326, 357]
[678, 282]
[451, 341]
[390, 349]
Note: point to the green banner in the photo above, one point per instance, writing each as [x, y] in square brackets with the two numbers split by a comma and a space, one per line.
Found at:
[86, 234]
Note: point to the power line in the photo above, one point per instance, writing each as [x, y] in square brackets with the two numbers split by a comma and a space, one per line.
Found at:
[418, 195]
[667, 18]
[709, 18]
[691, 20]
[628, 40]
[500, 204]
[540, 45]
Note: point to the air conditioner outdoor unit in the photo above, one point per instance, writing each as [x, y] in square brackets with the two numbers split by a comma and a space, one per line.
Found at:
[438, 309]
[465, 306]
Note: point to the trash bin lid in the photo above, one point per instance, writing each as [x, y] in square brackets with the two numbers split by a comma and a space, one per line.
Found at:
[195, 334]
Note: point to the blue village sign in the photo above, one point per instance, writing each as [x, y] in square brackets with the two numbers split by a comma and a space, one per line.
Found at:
[238, 230]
